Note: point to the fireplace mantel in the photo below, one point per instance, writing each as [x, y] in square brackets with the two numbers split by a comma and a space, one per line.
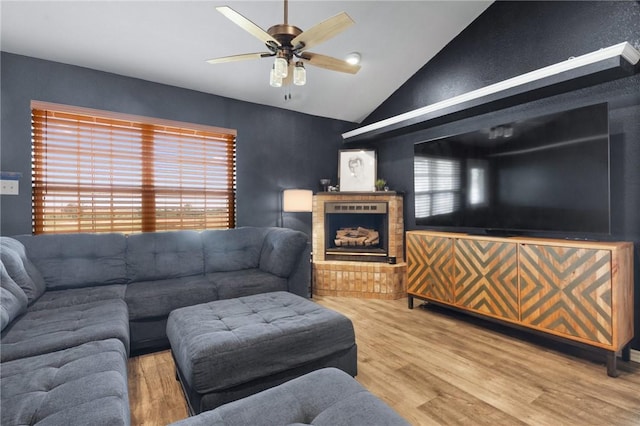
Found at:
[364, 279]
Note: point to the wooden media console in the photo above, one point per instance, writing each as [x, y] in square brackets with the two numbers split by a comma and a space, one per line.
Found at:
[581, 291]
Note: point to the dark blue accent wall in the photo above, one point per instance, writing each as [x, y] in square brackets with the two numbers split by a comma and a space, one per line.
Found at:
[512, 38]
[282, 149]
[276, 148]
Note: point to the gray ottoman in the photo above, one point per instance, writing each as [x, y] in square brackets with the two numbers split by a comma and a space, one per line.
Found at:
[326, 397]
[228, 349]
[82, 385]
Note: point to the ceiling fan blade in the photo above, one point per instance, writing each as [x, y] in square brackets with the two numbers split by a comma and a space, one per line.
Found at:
[323, 31]
[238, 57]
[330, 63]
[247, 25]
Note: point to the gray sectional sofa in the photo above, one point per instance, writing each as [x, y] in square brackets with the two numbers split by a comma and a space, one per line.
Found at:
[74, 306]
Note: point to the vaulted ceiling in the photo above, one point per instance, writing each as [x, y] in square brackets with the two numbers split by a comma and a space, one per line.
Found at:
[168, 42]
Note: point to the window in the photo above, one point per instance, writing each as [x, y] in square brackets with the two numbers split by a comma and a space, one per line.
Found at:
[96, 171]
[437, 186]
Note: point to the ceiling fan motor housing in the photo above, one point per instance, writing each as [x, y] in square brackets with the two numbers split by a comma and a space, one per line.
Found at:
[284, 34]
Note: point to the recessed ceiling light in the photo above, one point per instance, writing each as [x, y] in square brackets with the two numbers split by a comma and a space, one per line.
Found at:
[353, 58]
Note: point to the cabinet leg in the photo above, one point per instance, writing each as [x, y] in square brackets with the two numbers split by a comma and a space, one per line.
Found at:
[410, 302]
[612, 371]
[626, 352]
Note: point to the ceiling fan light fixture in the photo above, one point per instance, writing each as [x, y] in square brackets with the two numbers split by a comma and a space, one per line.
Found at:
[281, 66]
[353, 58]
[299, 74]
[274, 80]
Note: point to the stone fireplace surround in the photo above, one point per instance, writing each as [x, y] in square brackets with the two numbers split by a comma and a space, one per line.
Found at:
[372, 280]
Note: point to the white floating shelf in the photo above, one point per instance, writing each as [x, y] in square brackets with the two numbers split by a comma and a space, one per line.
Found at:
[592, 68]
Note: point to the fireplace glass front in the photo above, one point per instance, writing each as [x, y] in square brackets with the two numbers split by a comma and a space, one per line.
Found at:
[356, 231]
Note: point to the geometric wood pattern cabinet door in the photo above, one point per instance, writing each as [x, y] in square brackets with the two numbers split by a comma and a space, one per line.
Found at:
[567, 291]
[429, 267]
[486, 277]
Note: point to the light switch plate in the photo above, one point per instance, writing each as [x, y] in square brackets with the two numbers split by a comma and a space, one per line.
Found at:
[9, 187]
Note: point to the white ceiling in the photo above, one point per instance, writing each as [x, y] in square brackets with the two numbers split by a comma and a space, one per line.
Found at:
[169, 41]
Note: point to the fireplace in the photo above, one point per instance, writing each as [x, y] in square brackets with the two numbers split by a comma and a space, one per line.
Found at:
[356, 231]
[358, 245]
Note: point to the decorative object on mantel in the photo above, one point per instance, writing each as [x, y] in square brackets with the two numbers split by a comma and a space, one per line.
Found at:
[324, 184]
[592, 68]
[286, 41]
[357, 170]
[381, 184]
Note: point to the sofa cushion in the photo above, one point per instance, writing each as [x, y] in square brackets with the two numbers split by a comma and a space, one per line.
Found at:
[232, 249]
[13, 301]
[21, 269]
[154, 299]
[281, 251]
[162, 255]
[83, 385]
[78, 260]
[325, 397]
[49, 330]
[245, 282]
[77, 296]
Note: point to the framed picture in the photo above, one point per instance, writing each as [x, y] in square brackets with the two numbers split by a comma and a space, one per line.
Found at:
[357, 170]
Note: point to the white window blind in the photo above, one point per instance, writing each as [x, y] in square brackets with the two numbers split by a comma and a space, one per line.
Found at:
[97, 171]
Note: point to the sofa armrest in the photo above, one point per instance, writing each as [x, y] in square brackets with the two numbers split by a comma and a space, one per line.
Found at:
[285, 253]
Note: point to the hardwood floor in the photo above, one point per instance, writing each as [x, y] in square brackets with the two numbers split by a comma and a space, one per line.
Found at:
[435, 367]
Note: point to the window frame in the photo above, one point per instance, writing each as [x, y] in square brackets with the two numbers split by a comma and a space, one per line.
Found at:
[147, 135]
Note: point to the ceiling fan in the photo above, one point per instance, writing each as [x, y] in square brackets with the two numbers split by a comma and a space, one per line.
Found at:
[287, 42]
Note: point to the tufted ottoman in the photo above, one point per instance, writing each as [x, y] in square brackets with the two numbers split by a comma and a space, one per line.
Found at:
[82, 385]
[228, 349]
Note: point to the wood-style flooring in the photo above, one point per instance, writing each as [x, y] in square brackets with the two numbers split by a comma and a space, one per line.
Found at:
[435, 367]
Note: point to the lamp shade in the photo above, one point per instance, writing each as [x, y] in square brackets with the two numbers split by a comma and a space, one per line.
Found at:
[297, 200]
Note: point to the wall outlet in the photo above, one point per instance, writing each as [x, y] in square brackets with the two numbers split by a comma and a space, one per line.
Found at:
[9, 187]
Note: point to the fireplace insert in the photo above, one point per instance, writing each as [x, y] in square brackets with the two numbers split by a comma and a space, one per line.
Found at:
[356, 231]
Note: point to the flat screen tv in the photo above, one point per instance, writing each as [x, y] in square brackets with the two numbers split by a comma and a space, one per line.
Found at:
[546, 174]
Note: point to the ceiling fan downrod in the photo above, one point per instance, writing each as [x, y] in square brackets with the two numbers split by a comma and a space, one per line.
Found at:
[286, 12]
